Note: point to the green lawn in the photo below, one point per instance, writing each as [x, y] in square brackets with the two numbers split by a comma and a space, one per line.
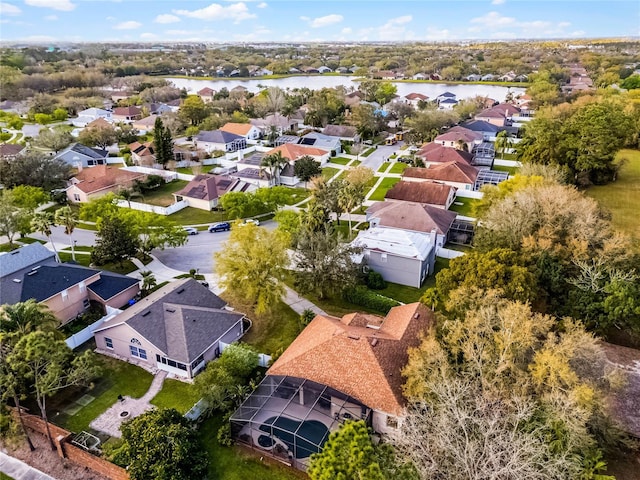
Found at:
[355, 163]
[622, 197]
[466, 208]
[176, 394]
[236, 463]
[81, 259]
[4, 476]
[85, 260]
[329, 172]
[194, 216]
[383, 188]
[117, 378]
[398, 167]
[384, 167]
[6, 247]
[27, 240]
[296, 195]
[272, 331]
[406, 294]
[502, 168]
[162, 196]
[340, 160]
[367, 152]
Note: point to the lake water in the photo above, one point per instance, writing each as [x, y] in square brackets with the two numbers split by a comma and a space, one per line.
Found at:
[316, 82]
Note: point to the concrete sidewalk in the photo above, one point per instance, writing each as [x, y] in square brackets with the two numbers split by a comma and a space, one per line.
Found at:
[159, 269]
[299, 304]
[19, 470]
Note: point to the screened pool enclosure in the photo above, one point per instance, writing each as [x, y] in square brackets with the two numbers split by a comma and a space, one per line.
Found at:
[290, 418]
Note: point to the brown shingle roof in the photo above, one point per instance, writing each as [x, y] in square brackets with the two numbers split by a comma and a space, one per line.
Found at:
[340, 131]
[98, 178]
[363, 362]
[458, 172]
[412, 216]
[460, 133]
[434, 152]
[131, 111]
[98, 123]
[207, 187]
[10, 149]
[421, 192]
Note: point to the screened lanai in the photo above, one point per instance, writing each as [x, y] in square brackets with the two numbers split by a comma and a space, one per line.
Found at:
[290, 418]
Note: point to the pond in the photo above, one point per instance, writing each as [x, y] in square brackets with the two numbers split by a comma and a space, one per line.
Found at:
[316, 82]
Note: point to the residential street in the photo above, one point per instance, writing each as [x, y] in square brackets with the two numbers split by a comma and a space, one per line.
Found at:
[379, 155]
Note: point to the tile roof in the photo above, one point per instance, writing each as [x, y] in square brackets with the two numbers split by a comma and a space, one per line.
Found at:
[94, 179]
[434, 152]
[182, 319]
[412, 216]
[365, 363]
[206, 91]
[458, 172]
[421, 192]
[416, 96]
[237, 128]
[207, 187]
[293, 152]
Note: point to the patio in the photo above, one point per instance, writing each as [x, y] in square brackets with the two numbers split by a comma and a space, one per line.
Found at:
[291, 418]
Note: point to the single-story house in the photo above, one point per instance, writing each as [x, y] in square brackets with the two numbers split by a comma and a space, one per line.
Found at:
[445, 96]
[178, 329]
[160, 108]
[78, 155]
[354, 98]
[459, 137]
[347, 133]
[259, 177]
[293, 152]
[337, 369]
[89, 115]
[91, 183]
[488, 130]
[399, 256]
[248, 131]
[435, 153]
[323, 141]
[67, 290]
[447, 104]
[456, 174]
[145, 124]
[205, 190]
[278, 122]
[414, 99]
[9, 151]
[213, 140]
[206, 94]
[412, 217]
[127, 114]
[142, 153]
[420, 76]
[433, 194]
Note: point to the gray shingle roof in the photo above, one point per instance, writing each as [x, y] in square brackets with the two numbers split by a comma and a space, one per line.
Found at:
[111, 284]
[217, 136]
[23, 257]
[49, 280]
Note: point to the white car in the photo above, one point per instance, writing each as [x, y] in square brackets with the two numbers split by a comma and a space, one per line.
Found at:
[251, 220]
[191, 230]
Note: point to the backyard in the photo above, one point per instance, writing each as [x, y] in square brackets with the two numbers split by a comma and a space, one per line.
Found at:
[463, 206]
[622, 197]
[162, 196]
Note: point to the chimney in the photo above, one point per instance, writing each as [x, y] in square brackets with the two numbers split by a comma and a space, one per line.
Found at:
[433, 236]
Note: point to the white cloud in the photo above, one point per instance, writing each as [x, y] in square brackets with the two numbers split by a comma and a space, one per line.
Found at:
[129, 25]
[63, 5]
[236, 12]
[178, 33]
[493, 19]
[346, 30]
[148, 36]
[262, 5]
[51, 18]
[167, 18]
[39, 38]
[9, 9]
[326, 21]
[394, 28]
[260, 33]
[498, 2]
[495, 25]
[305, 19]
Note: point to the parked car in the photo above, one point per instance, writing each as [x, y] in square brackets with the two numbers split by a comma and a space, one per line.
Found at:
[251, 220]
[191, 230]
[219, 227]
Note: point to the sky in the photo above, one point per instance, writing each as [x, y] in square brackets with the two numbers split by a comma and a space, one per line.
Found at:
[50, 21]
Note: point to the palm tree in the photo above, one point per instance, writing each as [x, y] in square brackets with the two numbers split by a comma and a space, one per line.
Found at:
[148, 281]
[274, 163]
[503, 142]
[348, 200]
[42, 223]
[126, 195]
[67, 218]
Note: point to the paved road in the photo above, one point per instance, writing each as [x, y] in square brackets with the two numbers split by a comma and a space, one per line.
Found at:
[383, 152]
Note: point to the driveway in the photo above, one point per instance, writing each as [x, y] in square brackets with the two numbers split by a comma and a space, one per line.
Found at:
[379, 155]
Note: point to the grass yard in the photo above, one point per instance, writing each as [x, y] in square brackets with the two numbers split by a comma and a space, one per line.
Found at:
[117, 378]
[466, 207]
[398, 167]
[383, 188]
[162, 196]
[367, 152]
[85, 260]
[622, 197]
[355, 163]
[329, 172]
[384, 167]
[27, 240]
[237, 463]
[406, 294]
[176, 394]
[296, 195]
[6, 247]
[509, 170]
[340, 160]
[270, 332]
[194, 216]
[81, 259]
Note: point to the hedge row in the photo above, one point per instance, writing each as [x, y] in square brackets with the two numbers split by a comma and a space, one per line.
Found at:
[366, 298]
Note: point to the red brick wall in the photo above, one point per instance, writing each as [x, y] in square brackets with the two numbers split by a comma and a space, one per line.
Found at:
[62, 439]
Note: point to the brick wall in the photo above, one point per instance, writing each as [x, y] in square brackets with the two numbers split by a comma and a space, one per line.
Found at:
[62, 439]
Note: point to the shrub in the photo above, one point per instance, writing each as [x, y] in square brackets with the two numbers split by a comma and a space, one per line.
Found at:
[365, 298]
[375, 281]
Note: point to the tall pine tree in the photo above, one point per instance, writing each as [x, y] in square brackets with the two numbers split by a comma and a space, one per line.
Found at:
[163, 142]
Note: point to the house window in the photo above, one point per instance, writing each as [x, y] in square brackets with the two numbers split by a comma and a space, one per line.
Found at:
[197, 362]
[138, 352]
[383, 258]
[392, 422]
[76, 197]
[108, 343]
[65, 295]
